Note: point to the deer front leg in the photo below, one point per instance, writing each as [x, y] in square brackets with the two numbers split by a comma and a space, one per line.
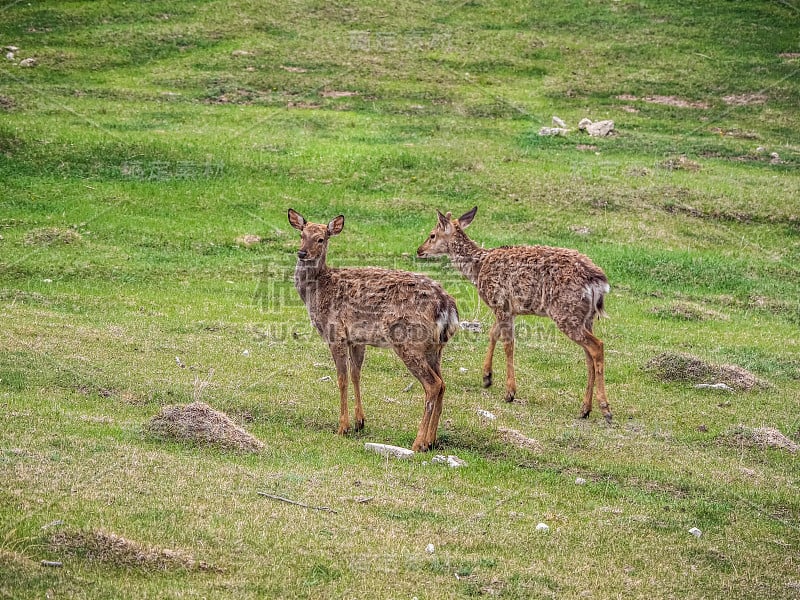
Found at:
[339, 353]
[356, 360]
[487, 363]
[506, 329]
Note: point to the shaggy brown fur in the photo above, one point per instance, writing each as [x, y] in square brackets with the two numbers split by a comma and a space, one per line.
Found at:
[558, 283]
[355, 308]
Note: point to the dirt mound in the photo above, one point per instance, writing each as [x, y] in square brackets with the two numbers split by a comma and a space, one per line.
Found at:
[759, 437]
[52, 235]
[198, 422]
[116, 550]
[518, 439]
[675, 366]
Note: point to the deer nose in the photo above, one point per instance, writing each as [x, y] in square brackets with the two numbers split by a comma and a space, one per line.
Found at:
[302, 254]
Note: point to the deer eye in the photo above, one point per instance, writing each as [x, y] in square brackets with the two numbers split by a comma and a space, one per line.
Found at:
[320, 240]
[433, 236]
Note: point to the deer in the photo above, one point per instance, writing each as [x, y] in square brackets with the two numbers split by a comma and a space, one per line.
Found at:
[352, 308]
[558, 283]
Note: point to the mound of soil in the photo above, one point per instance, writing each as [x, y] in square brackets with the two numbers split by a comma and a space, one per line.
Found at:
[198, 422]
[518, 439]
[52, 235]
[675, 366]
[759, 437]
[118, 551]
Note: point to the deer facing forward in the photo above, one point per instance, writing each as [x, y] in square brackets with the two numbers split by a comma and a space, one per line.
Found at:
[558, 283]
[358, 307]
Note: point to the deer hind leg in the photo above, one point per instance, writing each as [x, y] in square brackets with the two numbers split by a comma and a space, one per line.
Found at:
[433, 385]
[595, 366]
[434, 358]
[506, 330]
[356, 360]
[487, 363]
[339, 353]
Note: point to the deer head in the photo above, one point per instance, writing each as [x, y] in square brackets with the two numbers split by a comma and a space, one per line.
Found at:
[314, 237]
[438, 242]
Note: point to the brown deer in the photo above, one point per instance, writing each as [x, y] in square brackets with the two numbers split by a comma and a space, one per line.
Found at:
[357, 307]
[558, 283]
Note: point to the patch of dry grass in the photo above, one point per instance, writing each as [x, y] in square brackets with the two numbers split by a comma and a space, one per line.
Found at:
[112, 549]
[519, 439]
[47, 236]
[199, 423]
[676, 366]
[758, 437]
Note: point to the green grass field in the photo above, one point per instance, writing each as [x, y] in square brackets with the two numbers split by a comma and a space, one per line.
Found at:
[149, 136]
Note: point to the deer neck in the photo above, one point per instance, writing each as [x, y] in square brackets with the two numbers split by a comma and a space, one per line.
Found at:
[307, 275]
[466, 256]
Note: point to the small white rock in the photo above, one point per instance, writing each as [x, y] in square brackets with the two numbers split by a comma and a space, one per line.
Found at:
[473, 326]
[580, 481]
[325, 378]
[11, 48]
[695, 532]
[10, 55]
[462, 369]
[451, 461]
[27, 62]
[713, 386]
[387, 450]
[47, 280]
[543, 527]
[430, 549]
[486, 414]
[558, 122]
[548, 131]
[246, 353]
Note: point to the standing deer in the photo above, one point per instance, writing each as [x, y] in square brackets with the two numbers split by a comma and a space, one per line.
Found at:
[358, 307]
[558, 283]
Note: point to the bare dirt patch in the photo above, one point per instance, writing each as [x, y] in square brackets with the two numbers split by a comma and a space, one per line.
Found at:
[689, 311]
[665, 100]
[675, 366]
[199, 423]
[789, 55]
[47, 236]
[112, 549]
[518, 439]
[337, 94]
[680, 163]
[7, 103]
[247, 240]
[758, 437]
[745, 99]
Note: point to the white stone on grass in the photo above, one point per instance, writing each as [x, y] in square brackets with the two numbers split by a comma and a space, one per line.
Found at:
[388, 450]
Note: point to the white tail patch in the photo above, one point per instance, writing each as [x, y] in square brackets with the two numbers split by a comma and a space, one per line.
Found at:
[448, 324]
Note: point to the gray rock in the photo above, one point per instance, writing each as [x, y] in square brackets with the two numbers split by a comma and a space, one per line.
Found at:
[559, 123]
[451, 461]
[473, 326]
[27, 62]
[713, 386]
[543, 527]
[387, 450]
[695, 532]
[549, 131]
[486, 414]
[598, 129]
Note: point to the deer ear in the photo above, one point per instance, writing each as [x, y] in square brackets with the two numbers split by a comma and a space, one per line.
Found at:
[444, 220]
[465, 219]
[335, 227]
[296, 220]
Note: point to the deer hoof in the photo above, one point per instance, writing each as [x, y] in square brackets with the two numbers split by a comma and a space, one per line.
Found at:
[608, 417]
[510, 396]
[342, 430]
[487, 380]
[419, 447]
[359, 425]
[585, 413]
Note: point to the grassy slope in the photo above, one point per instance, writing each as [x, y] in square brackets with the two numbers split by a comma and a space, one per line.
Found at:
[140, 130]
